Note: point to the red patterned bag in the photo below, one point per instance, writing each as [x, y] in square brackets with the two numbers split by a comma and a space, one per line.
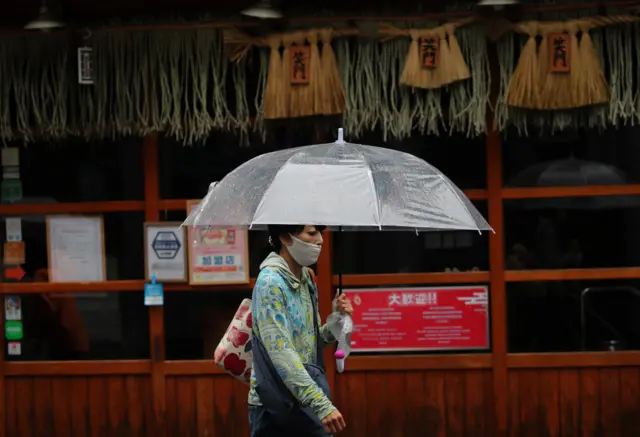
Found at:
[233, 354]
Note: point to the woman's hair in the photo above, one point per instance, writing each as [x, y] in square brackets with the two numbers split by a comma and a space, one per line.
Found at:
[277, 231]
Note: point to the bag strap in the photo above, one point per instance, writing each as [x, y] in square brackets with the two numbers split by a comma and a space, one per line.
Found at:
[313, 289]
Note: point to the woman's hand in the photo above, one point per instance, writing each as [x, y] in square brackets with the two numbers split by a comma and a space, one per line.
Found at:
[344, 304]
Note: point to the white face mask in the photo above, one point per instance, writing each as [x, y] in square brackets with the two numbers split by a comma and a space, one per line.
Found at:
[305, 254]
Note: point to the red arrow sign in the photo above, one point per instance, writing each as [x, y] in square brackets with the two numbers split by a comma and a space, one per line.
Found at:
[13, 272]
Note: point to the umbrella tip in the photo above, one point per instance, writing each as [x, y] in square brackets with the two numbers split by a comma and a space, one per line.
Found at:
[340, 136]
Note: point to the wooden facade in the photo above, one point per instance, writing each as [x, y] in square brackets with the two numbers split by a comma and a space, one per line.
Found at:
[464, 395]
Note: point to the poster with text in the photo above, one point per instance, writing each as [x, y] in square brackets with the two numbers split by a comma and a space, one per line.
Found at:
[165, 252]
[420, 319]
[76, 251]
[217, 255]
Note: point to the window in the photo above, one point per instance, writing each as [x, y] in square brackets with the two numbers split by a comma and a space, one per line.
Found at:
[461, 159]
[406, 252]
[574, 232]
[77, 326]
[195, 321]
[573, 158]
[74, 171]
[186, 172]
[568, 316]
[123, 240]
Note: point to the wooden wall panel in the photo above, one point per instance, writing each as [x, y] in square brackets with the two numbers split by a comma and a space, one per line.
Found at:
[455, 403]
[206, 406]
[78, 406]
[593, 402]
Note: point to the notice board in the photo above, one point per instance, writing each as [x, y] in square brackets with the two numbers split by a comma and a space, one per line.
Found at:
[420, 319]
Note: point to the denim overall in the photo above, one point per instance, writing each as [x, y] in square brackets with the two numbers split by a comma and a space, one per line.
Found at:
[281, 415]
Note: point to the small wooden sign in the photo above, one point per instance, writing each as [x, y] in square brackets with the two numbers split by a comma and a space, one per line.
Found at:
[430, 51]
[559, 52]
[300, 67]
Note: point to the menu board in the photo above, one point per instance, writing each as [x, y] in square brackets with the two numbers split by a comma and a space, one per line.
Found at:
[420, 319]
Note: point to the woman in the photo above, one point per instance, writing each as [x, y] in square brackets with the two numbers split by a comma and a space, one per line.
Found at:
[289, 394]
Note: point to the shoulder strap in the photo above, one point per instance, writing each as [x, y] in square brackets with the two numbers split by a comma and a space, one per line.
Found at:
[312, 274]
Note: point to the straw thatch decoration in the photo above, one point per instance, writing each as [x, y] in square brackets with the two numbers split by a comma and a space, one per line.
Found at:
[535, 86]
[451, 66]
[375, 99]
[324, 95]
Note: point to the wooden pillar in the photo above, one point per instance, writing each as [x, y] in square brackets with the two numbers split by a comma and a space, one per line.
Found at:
[497, 286]
[325, 284]
[3, 422]
[156, 313]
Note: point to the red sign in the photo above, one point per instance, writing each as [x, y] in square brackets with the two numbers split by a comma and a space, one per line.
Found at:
[419, 319]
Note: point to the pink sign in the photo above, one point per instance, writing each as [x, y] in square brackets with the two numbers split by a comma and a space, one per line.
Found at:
[217, 255]
[420, 319]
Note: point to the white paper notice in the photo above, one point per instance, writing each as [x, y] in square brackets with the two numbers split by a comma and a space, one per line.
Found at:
[14, 229]
[14, 348]
[76, 250]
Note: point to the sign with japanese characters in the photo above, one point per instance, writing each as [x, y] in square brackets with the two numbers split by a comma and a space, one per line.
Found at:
[217, 255]
[420, 319]
[165, 252]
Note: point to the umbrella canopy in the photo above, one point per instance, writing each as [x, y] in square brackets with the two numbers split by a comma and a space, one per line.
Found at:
[344, 185]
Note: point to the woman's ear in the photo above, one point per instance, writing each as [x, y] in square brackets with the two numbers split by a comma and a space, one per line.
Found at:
[286, 240]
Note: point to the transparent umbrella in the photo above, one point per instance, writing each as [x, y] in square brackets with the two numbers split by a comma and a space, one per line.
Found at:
[340, 185]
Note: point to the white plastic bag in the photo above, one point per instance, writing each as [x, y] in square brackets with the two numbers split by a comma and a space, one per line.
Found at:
[341, 326]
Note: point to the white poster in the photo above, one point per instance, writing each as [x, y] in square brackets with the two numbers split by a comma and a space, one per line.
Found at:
[76, 249]
[165, 252]
[12, 308]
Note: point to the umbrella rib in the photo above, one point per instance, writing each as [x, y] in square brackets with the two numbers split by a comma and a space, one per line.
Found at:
[373, 189]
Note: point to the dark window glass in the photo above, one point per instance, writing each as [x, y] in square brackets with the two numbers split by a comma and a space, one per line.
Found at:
[408, 252]
[572, 158]
[80, 326]
[195, 321]
[567, 316]
[186, 172]
[461, 159]
[77, 171]
[123, 241]
[575, 232]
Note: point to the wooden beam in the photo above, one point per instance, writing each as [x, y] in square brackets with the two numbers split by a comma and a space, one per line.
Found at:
[582, 191]
[325, 296]
[574, 359]
[71, 207]
[101, 287]
[156, 313]
[403, 279]
[358, 363]
[497, 288]
[79, 368]
[572, 274]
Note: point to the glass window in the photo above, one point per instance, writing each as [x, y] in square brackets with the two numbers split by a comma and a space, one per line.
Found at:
[186, 172]
[568, 316]
[575, 232]
[77, 171]
[406, 252]
[76, 326]
[195, 321]
[572, 158]
[123, 240]
[461, 159]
